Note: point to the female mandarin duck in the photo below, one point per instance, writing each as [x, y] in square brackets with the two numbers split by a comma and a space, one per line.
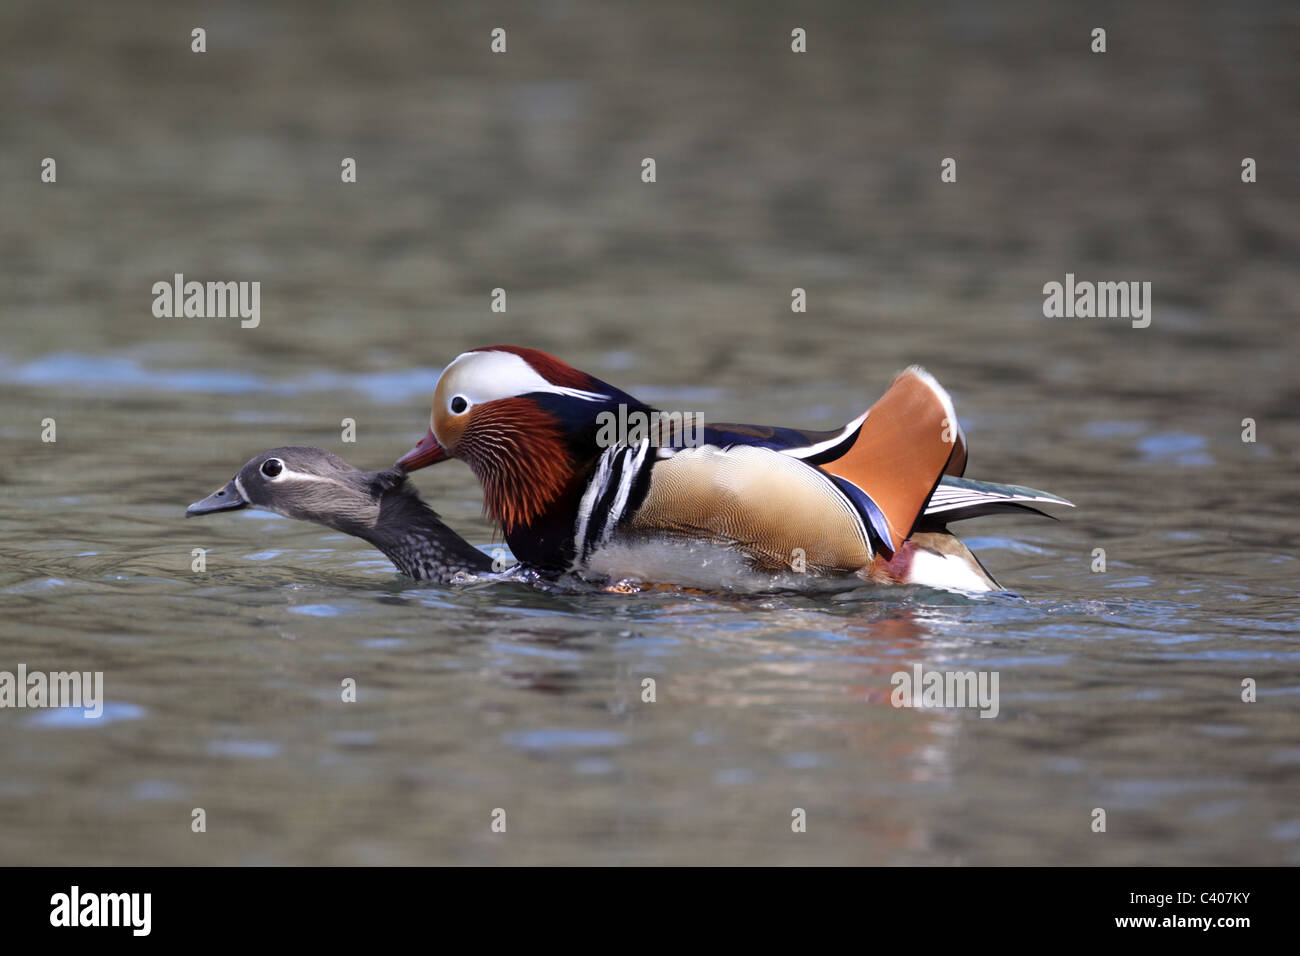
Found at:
[872, 498]
[381, 507]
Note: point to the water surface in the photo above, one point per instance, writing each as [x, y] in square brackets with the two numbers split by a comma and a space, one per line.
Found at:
[1120, 689]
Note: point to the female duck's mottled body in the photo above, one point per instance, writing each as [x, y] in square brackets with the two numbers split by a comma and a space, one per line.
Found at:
[872, 498]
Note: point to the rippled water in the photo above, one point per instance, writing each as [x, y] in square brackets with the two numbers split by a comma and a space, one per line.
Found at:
[1119, 690]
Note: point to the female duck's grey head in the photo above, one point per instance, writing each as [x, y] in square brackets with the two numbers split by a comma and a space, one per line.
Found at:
[381, 507]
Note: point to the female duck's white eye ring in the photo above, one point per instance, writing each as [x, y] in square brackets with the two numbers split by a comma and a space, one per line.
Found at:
[272, 467]
[458, 404]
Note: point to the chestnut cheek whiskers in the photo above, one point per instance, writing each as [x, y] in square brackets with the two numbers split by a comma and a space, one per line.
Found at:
[516, 452]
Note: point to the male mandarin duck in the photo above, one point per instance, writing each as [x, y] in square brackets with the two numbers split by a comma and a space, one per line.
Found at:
[872, 498]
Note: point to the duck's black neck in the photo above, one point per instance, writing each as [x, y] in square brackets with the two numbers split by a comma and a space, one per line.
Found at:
[414, 538]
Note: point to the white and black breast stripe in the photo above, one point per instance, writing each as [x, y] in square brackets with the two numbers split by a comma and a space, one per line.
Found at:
[617, 488]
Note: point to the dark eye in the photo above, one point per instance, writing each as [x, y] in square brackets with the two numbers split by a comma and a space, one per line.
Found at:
[272, 467]
[458, 404]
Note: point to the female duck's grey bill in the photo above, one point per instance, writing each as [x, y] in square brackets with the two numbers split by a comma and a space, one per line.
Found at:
[227, 499]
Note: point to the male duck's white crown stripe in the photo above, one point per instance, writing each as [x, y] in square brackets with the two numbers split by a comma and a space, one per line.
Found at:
[487, 375]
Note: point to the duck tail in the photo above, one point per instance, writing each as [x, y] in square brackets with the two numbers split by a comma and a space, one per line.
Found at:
[956, 499]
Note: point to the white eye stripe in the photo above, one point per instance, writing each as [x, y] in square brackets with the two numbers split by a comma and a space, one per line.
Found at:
[481, 377]
[286, 473]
